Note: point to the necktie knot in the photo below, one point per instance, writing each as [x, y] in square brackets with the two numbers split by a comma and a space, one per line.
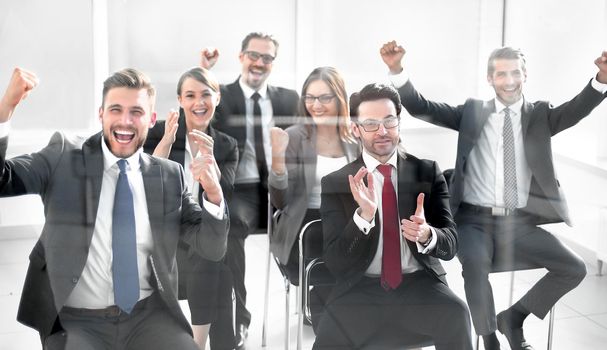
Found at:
[385, 170]
[507, 112]
[122, 165]
[256, 96]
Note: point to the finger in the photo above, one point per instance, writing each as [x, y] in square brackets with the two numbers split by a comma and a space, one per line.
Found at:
[370, 185]
[419, 211]
[360, 174]
[417, 219]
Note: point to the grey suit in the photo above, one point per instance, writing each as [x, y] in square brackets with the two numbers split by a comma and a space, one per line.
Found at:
[518, 236]
[67, 174]
[290, 194]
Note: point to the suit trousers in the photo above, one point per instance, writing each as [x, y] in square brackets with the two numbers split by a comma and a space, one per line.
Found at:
[421, 309]
[148, 327]
[245, 208]
[480, 235]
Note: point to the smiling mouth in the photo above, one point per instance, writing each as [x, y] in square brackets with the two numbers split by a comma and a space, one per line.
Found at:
[200, 112]
[123, 136]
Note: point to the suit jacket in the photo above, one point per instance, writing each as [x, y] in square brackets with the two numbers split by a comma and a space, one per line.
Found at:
[291, 196]
[348, 252]
[540, 121]
[67, 174]
[225, 151]
[231, 111]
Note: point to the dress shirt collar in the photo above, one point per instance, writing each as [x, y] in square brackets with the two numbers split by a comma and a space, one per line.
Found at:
[109, 159]
[371, 163]
[248, 92]
[515, 107]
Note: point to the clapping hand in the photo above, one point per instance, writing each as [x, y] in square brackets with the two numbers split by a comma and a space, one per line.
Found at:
[204, 170]
[205, 146]
[364, 195]
[279, 139]
[601, 62]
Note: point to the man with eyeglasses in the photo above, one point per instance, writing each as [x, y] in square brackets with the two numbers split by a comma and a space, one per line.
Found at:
[391, 290]
[504, 185]
[249, 108]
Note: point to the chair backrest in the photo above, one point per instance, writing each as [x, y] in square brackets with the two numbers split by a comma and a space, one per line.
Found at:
[312, 240]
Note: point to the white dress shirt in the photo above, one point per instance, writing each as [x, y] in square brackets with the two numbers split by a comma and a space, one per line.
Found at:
[247, 171]
[408, 262]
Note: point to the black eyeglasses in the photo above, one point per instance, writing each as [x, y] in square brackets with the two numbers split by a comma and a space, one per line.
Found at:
[254, 56]
[371, 125]
[323, 99]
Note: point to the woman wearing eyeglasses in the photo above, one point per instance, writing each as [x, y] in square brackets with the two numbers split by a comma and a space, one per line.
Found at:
[303, 154]
[182, 137]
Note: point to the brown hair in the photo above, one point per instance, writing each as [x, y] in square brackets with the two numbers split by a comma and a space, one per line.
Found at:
[129, 78]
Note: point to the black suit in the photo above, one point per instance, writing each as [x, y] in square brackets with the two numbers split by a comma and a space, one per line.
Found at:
[481, 235]
[248, 209]
[68, 174]
[359, 312]
[206, 284]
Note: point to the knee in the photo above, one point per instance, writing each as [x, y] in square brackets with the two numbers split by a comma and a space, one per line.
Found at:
[475, 265]
[577, 271]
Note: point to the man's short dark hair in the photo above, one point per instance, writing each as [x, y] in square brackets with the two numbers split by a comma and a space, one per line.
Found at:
[129, 78]
[373, 92]
[507, 53]
[259, 35]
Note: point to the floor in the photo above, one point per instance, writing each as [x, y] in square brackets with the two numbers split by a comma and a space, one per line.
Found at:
[581, 316]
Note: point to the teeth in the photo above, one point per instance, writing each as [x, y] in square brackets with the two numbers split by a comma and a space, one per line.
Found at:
[124, 132]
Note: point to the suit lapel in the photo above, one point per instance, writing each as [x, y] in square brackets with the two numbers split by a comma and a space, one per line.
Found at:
[152, 182]
[526, 117]
[93, 164]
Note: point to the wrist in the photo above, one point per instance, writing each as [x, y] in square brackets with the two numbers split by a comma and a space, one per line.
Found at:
[367, 214]
[397, 69]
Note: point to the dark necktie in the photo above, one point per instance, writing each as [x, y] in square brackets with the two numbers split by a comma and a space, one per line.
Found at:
[260, 153]
[510, 188]
[391, 273]
[124, 244]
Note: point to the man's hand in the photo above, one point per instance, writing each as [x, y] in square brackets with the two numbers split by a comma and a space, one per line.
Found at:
[204, 171]
[208, 57]
[21, 84]
[416, 229]
[392, 55]
[279, 139]
[601, 62]
[363, 194]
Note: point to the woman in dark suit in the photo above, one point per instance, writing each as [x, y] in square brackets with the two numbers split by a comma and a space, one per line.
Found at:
[182, 137]
[304, 153]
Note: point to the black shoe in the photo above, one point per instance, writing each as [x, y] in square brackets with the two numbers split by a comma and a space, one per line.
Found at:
[515, 336]
[242, 332]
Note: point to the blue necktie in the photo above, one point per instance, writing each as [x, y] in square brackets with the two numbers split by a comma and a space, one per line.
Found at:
[510, 186]
[124, 244]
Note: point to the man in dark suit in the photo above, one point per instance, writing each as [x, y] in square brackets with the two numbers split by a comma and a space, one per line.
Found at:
[504, 185]
[248, 108]
[383, 240]
[103, 273]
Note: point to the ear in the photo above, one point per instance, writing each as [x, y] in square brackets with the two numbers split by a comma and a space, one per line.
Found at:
[490, 80]
[152, 120]
[101, 114]
[241, 56]
[218, 98]
[355, 130]
[179, 100]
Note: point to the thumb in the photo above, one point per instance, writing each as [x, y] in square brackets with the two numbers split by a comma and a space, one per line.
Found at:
[419, 211]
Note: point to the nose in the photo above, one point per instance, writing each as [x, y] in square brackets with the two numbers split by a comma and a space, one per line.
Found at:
[126, 118]
[317, 103]
[382, 130]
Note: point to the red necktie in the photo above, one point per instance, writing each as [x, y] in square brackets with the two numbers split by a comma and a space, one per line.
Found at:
[391, 274]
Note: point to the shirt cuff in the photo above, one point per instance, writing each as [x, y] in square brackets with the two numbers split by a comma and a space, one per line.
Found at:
[363, 224]
[216, 211]
[399, 79]
[280, 182]
[429, 247]
[598, 86]
[5, 128]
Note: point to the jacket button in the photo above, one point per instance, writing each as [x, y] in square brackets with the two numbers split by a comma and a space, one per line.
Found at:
[75, 280]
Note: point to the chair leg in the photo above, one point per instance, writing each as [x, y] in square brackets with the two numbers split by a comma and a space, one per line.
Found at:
[478, 342]
[599, 267]
[551, 328]
[266, 297]
[287, 299]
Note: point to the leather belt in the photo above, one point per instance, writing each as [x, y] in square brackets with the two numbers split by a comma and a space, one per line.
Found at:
[493, 211]
[108, 312]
